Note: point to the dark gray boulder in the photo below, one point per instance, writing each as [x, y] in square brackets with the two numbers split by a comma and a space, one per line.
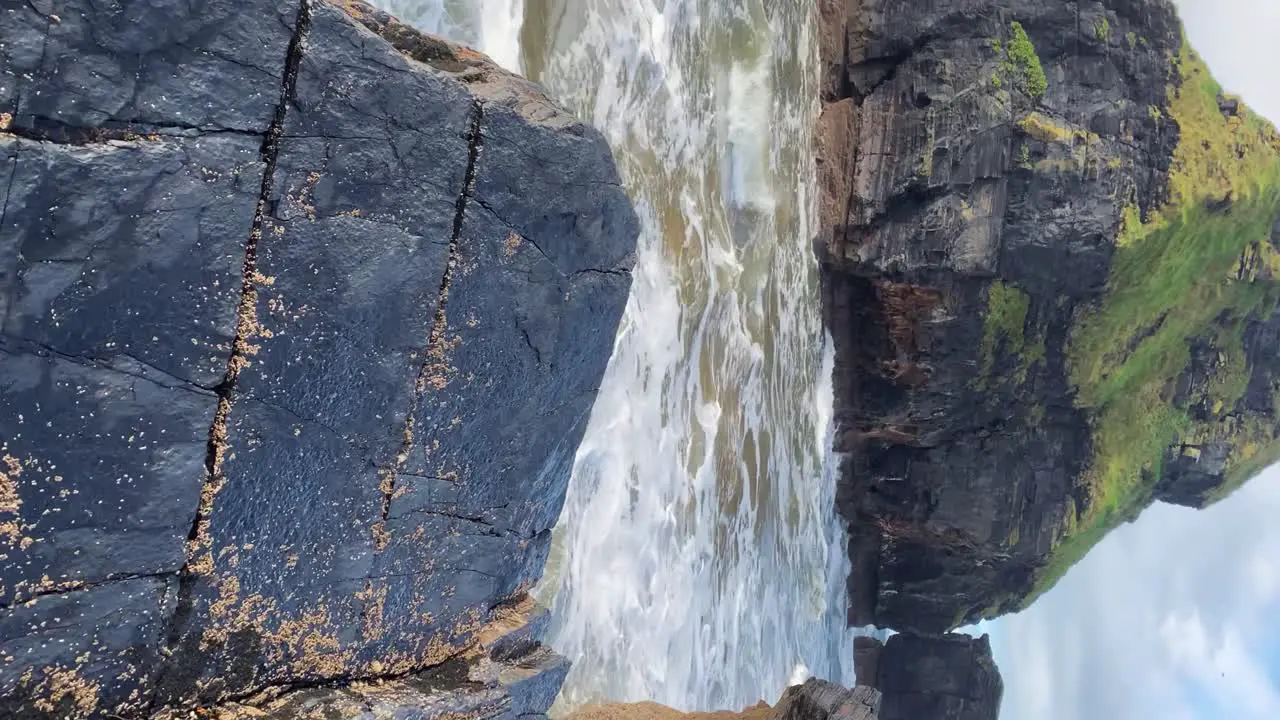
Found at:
[303, 314]
[821, 700]
[932, 677]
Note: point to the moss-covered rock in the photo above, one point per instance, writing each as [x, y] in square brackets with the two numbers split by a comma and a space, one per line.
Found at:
[1099, 260]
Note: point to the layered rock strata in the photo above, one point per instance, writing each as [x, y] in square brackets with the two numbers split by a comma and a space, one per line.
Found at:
[1049, 270]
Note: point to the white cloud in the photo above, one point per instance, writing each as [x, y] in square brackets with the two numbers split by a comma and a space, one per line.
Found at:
[1169, 617]
[1222, 668]
[1238, 39]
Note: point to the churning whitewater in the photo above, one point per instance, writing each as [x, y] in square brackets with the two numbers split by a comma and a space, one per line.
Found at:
[699, 561]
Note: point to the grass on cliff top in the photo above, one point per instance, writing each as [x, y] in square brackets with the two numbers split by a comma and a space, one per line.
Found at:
[1173, 278]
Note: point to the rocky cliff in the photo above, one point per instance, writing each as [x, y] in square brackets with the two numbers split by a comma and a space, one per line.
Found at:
[1049, 265]
[948, 677]
[303, 315]
[910, 677]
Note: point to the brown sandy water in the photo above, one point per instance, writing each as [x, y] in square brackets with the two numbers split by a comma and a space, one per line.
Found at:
[698, 562]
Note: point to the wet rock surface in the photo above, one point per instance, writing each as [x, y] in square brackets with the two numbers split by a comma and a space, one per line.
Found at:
[814, 700]
[932, 677]
[303, 315]
[971, 206]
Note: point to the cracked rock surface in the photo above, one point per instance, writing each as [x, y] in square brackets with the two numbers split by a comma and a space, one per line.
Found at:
[302, 314]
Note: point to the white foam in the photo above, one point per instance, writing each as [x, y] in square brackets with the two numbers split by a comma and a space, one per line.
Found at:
[704, 566]
[698, 561]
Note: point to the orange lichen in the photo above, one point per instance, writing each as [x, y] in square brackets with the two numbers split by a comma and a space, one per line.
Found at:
[380, 535]
[512, 244]
[374, 601]
[311, 641]
[10, 471]
[506, 618]
[304, 200]
[10, 532]
[62, 691]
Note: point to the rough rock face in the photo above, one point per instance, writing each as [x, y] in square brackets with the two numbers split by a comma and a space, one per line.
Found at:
[814, 700]
[949, 677]
[866, 659]
[1002, 181]
[303, 315]
[821, 700]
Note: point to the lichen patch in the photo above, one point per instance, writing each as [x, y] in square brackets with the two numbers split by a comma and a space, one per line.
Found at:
[10, 471]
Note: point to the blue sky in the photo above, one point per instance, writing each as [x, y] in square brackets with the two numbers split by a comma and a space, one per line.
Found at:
[1177, 616]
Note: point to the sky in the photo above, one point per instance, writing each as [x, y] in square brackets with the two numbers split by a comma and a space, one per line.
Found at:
[1176, 616]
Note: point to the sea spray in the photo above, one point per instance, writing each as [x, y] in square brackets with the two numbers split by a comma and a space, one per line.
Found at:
[699, 561]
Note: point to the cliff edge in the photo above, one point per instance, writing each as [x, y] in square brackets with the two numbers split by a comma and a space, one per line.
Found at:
[303, 316]
[1049, 255]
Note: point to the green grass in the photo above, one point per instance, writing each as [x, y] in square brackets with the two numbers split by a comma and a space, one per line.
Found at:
[1173, 279]
[1023, 59]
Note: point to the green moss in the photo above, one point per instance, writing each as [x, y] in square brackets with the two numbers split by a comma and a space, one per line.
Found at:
[1035, 415]
[1130, 225]
[1022, 59]
[1033, 354]
[1174, 278]
[1046, 129]
[926, 160]
[1005, 323]
[1005, 332]
[1132, 38]
[1024, 158]
[1102, 29]
[996, 81]
[1015, 535]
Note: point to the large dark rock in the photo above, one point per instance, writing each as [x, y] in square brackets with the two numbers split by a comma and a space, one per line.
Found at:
[814, 700]
[931, 677]
[303, 315]
[820, 700]
[969, 221]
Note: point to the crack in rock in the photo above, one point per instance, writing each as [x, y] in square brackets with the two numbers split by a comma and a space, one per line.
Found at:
[199, 552]
[434, 368]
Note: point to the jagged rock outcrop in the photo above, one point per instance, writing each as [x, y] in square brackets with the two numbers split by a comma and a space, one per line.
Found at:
[303, 316]
[909, 677]
[866, 659]
[948, 677]
[1030, 211]
[814, 700]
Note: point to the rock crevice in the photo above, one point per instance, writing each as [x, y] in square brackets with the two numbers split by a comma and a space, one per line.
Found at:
[329, 480]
